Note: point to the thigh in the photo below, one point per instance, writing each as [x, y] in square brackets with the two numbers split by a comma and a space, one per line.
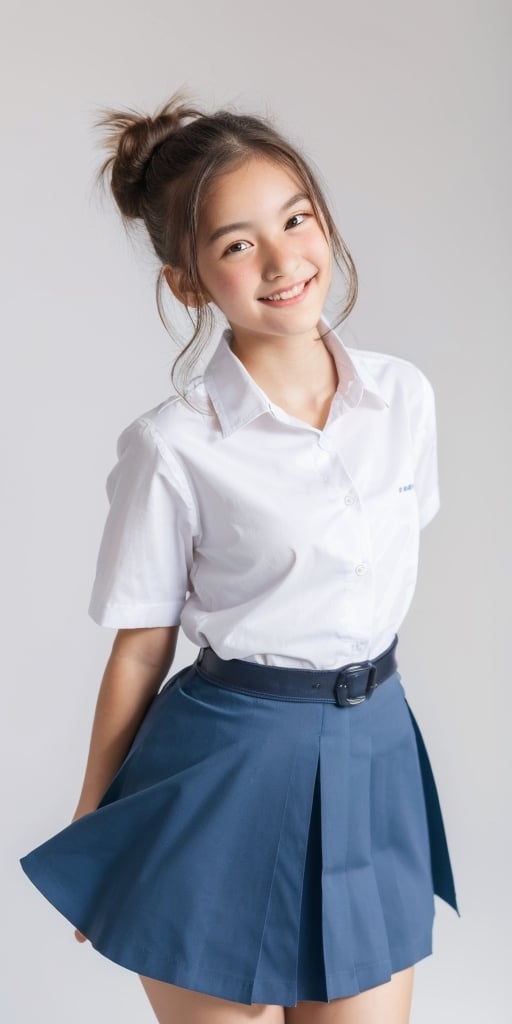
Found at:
[385, 1004]
[173, 1004]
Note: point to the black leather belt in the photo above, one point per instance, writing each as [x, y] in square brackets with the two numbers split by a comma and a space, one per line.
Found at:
[352, 684]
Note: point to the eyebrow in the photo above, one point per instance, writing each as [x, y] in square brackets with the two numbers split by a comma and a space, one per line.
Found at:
[238, 225]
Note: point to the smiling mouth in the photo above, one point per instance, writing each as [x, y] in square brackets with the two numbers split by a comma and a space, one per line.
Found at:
[289, 293]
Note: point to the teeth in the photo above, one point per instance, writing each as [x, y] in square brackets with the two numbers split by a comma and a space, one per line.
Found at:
[287, 295]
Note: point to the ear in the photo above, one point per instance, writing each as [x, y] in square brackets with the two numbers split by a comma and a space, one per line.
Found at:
[179, 283]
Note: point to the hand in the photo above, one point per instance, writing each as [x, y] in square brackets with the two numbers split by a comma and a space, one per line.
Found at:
[79, 937]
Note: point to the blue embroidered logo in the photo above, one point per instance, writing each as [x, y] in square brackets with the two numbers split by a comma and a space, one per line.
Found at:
[406, 487]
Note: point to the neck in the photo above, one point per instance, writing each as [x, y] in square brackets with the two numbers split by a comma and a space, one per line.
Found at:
[290, 368]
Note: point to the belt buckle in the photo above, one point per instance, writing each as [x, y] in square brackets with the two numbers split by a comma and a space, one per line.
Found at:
[342, 684]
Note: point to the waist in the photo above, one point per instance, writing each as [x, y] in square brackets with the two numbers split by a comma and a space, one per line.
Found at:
[347, 686]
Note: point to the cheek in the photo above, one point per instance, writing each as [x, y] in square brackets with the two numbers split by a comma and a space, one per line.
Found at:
[234, 281]
[321, 249]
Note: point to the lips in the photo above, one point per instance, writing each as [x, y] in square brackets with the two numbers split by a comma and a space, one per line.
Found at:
[286, 293]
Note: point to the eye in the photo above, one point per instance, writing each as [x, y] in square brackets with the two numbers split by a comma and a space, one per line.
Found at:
[296, 217]
[232, 248]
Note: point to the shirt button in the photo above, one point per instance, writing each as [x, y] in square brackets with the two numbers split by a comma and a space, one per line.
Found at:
[361, 568]
[349, 499]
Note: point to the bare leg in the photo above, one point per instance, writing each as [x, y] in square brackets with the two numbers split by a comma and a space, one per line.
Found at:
[384, 1004]
[175, 1005]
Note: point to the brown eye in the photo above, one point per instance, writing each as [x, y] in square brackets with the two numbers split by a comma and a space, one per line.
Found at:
[232, 248]
[296, 217]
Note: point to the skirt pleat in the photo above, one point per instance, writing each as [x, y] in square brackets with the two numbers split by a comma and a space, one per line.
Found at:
[261, 850]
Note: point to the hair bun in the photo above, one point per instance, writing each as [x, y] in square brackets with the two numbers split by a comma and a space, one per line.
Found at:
[131, 138]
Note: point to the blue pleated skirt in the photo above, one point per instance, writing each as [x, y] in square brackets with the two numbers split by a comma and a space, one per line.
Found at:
[261, 850]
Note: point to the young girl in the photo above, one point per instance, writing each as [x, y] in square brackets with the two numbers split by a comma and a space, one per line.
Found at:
[261, 837]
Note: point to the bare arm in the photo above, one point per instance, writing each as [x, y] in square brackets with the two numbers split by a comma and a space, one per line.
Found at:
[137, 665]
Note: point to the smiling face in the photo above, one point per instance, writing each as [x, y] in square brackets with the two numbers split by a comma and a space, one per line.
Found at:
[262, 256]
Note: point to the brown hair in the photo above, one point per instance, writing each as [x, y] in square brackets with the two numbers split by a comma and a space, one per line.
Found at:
[161, 168]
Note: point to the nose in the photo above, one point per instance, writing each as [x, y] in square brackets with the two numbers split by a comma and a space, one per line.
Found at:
[279, 260]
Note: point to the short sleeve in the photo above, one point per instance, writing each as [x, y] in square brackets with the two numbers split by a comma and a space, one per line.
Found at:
[424, 439]
[146, 550]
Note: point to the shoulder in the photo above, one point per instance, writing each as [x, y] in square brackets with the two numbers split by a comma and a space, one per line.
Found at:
[151, 451]
[170, 426]
[395, 376]
[386, 366]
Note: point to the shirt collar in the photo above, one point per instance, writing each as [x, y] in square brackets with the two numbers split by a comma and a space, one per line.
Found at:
[238, 399]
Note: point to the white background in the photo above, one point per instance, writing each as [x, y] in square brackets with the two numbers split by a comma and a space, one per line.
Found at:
[404, 107]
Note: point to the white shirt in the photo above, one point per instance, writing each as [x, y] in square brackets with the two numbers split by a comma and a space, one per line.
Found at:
[269, 539]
